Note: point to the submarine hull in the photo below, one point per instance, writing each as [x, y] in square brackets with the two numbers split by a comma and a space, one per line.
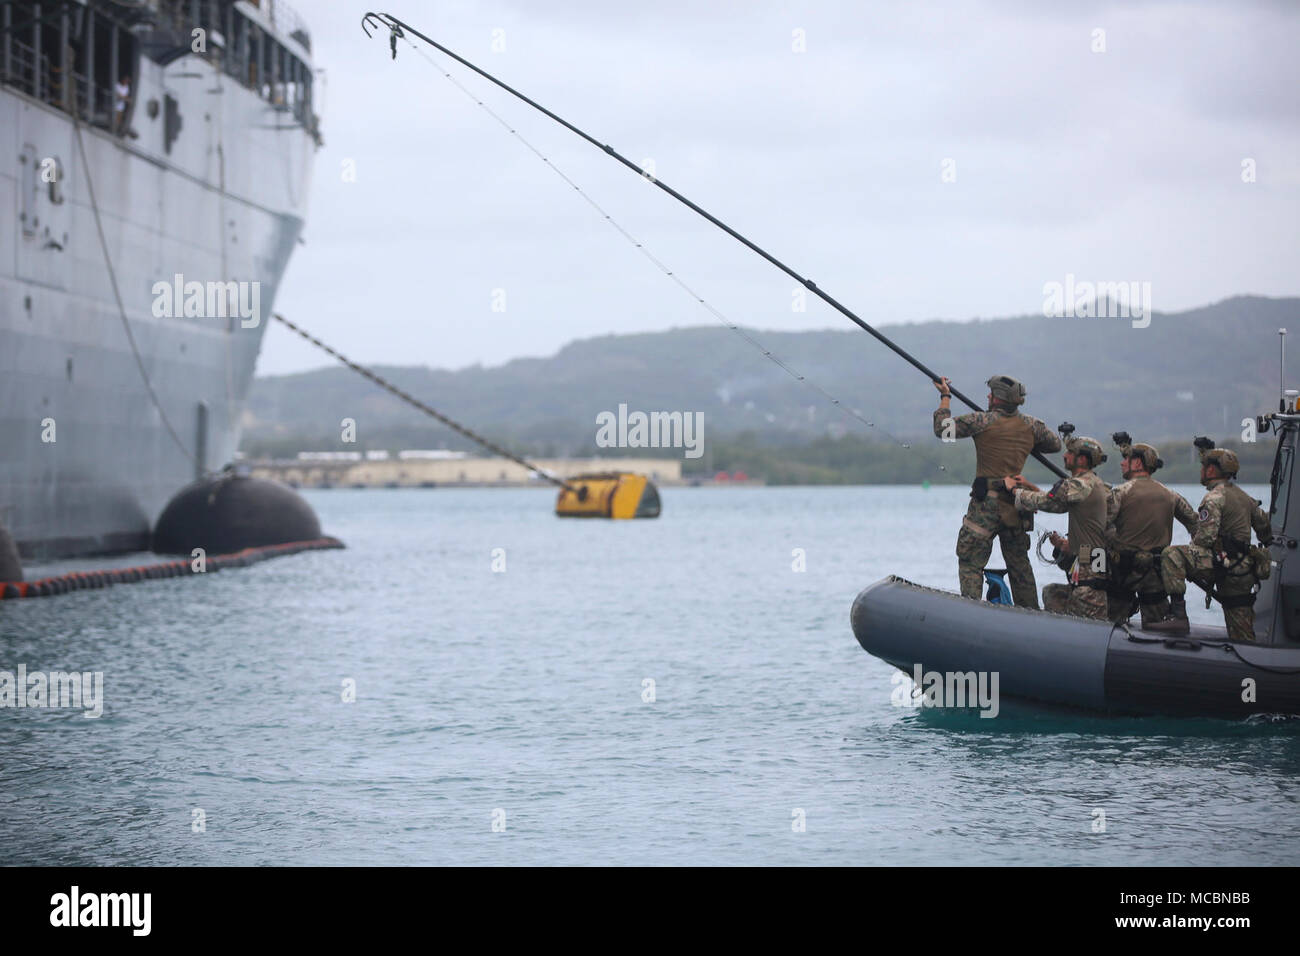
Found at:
[1073, 662]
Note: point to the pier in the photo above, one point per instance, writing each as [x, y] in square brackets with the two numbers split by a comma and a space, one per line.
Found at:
[439, 469]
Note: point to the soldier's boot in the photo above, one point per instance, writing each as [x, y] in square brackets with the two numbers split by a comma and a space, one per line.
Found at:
[1176, 622]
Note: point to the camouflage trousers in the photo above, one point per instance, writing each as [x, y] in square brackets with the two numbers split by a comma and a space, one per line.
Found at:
[983, 523]
[1141, 585]
[1055, 597]
[1189, 562]
[1076, 601]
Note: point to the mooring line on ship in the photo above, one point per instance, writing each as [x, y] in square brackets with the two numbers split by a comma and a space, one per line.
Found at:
[663, 267]
[416, 403]
[399, 28]
[117, 295]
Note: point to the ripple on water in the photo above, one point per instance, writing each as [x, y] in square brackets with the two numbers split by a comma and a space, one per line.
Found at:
[526, 693]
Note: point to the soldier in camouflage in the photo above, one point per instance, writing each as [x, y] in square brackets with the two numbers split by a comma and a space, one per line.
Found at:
[1004, 439]
[1220, 558]
[1083, 497]
[1140, 525]
[1057, 596]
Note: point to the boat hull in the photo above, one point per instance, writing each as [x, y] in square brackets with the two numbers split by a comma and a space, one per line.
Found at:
[1073, 662]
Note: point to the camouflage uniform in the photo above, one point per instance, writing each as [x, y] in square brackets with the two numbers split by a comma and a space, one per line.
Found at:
[1140, 520]
[1083, 498]
[1056, 597]
[1227, 516]
[1003, 439]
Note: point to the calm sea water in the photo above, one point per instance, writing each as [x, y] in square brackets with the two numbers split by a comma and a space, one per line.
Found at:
[517, 696]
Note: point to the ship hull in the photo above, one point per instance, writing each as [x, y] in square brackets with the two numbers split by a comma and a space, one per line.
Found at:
[101, 419]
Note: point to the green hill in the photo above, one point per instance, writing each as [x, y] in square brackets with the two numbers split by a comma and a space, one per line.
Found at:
[1196, 372]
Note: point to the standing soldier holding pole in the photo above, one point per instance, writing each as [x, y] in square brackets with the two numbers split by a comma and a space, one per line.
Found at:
[1004, 438]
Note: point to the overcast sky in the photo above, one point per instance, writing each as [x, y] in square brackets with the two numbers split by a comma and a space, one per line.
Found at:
[1119, 165]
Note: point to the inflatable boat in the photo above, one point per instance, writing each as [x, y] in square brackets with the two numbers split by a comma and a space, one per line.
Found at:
[1102, 667]
[1074, 662]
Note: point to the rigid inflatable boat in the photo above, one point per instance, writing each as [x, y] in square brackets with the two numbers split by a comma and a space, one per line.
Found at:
[1114, 668]
[1075, 662]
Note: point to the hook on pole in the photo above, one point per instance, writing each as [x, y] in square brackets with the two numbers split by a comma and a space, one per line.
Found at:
[377, 20]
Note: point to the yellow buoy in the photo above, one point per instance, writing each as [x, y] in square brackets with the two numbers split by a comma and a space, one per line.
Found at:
[610, 494]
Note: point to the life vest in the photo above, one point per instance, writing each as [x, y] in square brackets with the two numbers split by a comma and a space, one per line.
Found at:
[1145, 520]
[1002, 448]
[1088, 525]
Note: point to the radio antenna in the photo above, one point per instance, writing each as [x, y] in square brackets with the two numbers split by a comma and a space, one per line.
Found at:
[1281, 372]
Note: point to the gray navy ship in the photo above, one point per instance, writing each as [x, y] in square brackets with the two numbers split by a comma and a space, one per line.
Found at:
[157, 157]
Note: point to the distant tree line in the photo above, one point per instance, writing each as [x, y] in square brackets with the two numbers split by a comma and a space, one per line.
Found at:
[847, 460]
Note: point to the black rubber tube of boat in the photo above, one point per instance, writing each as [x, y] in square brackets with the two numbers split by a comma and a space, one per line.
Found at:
[400, 27]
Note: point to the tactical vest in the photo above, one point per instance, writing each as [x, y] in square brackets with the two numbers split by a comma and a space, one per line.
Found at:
[1002, 447]
[1087, 530]
[1234, 520]
[1145, 521]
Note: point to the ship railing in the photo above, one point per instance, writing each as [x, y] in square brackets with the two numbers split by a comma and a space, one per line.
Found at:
[286, 21]
[35, 75]
[25, 69]
[285, 83]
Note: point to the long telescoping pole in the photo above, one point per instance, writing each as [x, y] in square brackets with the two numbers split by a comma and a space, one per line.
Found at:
[400, 26]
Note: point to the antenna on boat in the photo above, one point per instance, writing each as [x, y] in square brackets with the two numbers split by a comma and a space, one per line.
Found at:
[1281, 372]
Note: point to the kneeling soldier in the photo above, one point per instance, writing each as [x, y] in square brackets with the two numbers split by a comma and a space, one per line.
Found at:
[1220, 558]
[1057, 596]
[1083, 497]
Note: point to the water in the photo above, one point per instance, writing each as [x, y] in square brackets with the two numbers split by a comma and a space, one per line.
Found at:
[479, 691]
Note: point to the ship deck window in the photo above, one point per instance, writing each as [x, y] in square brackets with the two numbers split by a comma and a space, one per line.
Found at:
[262, 64]
[72, 56]
[66, 55]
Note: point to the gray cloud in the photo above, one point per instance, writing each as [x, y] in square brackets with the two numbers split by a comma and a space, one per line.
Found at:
[1118, 165]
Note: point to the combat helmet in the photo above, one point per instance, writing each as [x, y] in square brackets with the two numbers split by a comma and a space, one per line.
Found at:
[1150, 457]
[1007, 389]
[1090, 446]
[1223, 459]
